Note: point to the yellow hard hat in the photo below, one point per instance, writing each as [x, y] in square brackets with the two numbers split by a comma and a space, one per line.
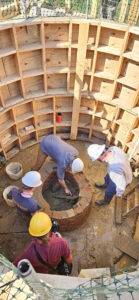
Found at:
[40, 224]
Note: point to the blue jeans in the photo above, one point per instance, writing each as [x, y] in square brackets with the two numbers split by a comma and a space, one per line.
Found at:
[111, 188]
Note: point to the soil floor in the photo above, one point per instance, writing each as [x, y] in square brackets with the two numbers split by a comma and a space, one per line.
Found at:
[92, 244]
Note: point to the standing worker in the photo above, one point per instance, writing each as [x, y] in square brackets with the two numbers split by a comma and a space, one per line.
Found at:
[47, 252]
[23, 198]
[119, 172]
[64, 154]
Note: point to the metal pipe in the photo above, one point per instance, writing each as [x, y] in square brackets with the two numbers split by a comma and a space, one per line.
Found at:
[27, 271]
[87, 6]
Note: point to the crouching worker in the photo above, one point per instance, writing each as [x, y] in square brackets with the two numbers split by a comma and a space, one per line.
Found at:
[48, 253]
[63, 154]
[23, 197]
[119, 172]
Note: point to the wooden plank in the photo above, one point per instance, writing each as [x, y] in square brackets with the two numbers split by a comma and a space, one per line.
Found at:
[123, 10]
[94, 8]
[127, 245]
[118, 210]
[81, 56]
[95, 57]
[18, 61]
[133, 12]
[69, 56]
[43, 57]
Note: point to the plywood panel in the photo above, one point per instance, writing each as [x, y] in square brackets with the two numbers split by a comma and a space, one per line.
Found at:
[86, 83]
[28, 34]
[130, 70]
[64, 103]
[89, 60]
[111, 37]
[5, 39]
[56, 32]
[75, 33]
[73, 58]
[72, 81]
[31, 60]
[107, 63]
[133, 44]
[88, 103]
[33, 84]
[103, 86]
[92, 35]
[23, 111]
[56, 58]
[44, 106]
[57, 81]
[125, 95]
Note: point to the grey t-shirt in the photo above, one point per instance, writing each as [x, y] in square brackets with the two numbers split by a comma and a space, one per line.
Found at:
[59, 151]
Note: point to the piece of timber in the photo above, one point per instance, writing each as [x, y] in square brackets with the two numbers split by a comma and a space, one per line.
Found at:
[118, 210]
[127, 245]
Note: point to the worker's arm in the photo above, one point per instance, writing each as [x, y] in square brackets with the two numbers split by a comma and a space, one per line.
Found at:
[69, 259]
[63, 184]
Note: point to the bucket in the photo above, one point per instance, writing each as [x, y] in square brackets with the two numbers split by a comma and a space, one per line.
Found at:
[9, 201]
[14, 170]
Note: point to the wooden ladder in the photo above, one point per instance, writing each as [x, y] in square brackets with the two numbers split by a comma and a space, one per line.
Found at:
[131, 206]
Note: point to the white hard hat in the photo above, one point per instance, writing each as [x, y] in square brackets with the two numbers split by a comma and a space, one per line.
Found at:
[77, 165]
[32, 179]
[94, 151]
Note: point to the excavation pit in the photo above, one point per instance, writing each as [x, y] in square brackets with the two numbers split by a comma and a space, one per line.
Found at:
[55, 195]
[69, 211]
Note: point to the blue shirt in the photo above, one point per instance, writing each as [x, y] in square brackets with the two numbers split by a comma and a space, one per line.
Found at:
[25, 205]
[59, 151]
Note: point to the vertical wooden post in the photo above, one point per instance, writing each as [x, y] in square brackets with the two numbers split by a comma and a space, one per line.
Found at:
[69, 56]
[133, 12]
[43, 57]
[67, 5]
[123, 10]
[19, 63]
[16, 5]
[81, 56]
[94, 8]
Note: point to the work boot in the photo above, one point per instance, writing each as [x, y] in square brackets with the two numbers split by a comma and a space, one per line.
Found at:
[105, 201]
[101, 185]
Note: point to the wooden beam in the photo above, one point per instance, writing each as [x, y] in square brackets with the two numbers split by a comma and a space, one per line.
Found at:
[133, 12]
[94, 8]
[123, 10]
[127, 245]
[81, 56]
[43, 56]
[118, 210]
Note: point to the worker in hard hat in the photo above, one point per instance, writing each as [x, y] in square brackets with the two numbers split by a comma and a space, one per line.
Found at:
[23, 197]
[119, 172]
[64, 154]
[47, 252]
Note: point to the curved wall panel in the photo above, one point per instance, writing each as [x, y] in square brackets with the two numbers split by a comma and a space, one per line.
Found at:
[87, 71]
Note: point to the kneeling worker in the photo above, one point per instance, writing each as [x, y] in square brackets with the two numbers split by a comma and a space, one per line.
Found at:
[119, 172]
[64, 154]
[46, 252]
[23, 197]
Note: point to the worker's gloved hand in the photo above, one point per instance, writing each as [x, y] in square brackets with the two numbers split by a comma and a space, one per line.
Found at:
[68, 192]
